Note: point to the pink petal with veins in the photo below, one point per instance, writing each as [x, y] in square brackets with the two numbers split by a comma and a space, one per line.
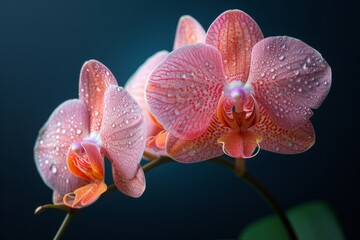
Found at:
[133, 187]
[188, 31]
[94, 79]
[123, 131]
[289, 78]
[234, 33]
[68, 123]
[136, 87]
[283, 141]
[200, 149]
[183, 91]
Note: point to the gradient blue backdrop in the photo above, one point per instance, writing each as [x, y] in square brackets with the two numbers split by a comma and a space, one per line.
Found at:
[43, 45]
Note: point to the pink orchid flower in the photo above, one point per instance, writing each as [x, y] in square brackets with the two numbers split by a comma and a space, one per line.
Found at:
[238, 92]
[188, 31]
[104, 121]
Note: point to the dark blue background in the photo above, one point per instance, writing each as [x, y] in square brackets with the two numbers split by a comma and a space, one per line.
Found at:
[42, 47]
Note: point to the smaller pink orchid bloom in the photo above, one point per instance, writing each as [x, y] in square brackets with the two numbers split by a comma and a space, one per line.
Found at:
[70, 148]
[188, 31]
[238, 92]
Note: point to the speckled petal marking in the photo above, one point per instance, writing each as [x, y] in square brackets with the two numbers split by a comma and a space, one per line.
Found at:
[234, 33]
[289, 78]
[183, 91]
[283, 141]
[188, 31]
[66, 125]
[200, 149]
[94, 79]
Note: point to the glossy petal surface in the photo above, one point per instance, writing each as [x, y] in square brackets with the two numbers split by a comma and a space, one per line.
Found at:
[136, 87]
[239, 144]
[183, 91]
[289, 78]
[66, 125]
[188, 31]
[86, 161]
[94, 79]
[234, 33]
[85, 195]
[283, 141]
[123, 131]
[202, 148]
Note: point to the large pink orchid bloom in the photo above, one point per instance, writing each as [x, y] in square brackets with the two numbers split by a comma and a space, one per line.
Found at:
[104, 121]
[188, 31]
[238, 92]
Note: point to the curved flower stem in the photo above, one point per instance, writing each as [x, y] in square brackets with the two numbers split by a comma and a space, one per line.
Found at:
[265, 194]
[64, 225]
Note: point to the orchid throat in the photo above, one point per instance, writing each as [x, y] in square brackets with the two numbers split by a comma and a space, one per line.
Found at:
[237, 107]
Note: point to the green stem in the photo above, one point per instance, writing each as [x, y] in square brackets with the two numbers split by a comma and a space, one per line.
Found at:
[264, 193]
[64, 225]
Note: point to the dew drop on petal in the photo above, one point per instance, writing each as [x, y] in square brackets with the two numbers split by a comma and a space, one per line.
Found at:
[53, 168]
[281, 57]
[191, 153]
[78, 131]
[183, 75]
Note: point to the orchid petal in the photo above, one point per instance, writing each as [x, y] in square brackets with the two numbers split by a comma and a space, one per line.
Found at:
[85, 195]
[234, 33]
[239, 144]
[283, 141]
[183, 91]
[133, 187]
[299, 79]
[123, 131]
[57, 198]
[94, 79]
[136, 87]
[200, 149]
[188, 31]
[66, 125]
[86, 161]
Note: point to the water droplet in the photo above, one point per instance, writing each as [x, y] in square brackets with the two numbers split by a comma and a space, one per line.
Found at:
[176, 111]
[191, 153]
[304, 66]
[170, 94]
[78, 131]
[206, 63]
[272, 70]
[53, 168]
[296, 72]
[262, 74]
[96, 113]
[107, 73]
[97, 89]
[183, 75]
[67, 181]
[283, 46]
[113, 125]
[288, 67]
[300, 90]
[126, 121]
[273, 76]
[282, 57]
[58, 124]
[326, 83]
